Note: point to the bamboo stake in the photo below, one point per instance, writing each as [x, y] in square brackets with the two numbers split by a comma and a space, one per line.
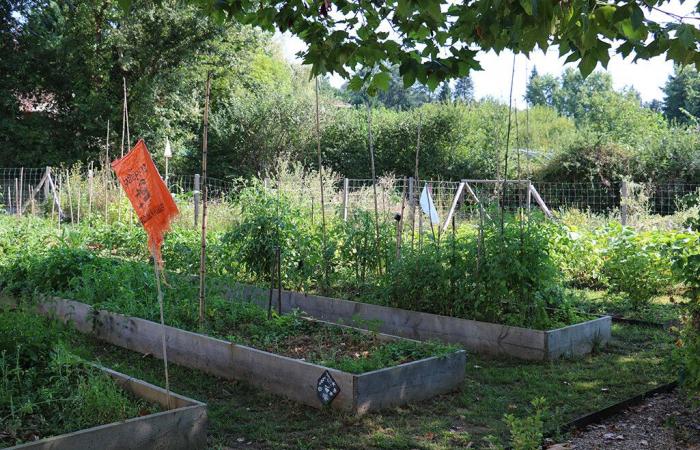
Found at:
[505, 167]
[128, 139]
[374, 181]
[272, 289]
[162, 333]
[323, 208]
[202, 255]
[90, 176]
[416, 184]
[279, 280]
[105, 170]
[399, 226]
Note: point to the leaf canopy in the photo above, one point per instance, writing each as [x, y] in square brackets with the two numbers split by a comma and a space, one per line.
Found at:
[435, 40]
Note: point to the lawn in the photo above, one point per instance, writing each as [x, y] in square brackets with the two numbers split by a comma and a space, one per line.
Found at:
[242, 416]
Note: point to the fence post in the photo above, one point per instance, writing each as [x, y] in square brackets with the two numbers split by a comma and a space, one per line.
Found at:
[623, 202]
[90, 177]
[47, 188]
[345, 199]
[196, 198]
[529, 195]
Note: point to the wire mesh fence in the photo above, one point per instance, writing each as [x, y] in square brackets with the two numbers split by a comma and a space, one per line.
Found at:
[82, 190]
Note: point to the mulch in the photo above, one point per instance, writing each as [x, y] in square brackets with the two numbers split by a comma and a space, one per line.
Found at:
[667, 421]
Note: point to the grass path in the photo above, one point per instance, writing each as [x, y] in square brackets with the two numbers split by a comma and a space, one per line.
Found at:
[242, 416]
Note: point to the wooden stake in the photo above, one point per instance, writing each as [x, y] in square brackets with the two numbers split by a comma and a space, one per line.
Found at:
[21, 189]
[105, 170]
[202, 255]
[399, 225]
[162, 334]
[16, 197]
[279, 280]
[272, 286]
[416, 185]
[80, 198]
[323, 209]
[70, 197]
[374, 181]
[90, 176]
[505, 166]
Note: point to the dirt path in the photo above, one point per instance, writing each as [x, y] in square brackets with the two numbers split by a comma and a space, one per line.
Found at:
[665, 421]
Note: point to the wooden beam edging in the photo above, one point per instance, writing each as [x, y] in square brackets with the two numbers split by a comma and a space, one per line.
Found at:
[479, 337]
[182, 428]
[612, 410]
[289, 377]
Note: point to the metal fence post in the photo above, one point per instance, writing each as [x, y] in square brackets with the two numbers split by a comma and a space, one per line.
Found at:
[196, 198]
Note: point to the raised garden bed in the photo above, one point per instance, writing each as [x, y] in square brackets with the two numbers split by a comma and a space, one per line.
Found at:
[296, 379]
[183, 427]
[480, 337]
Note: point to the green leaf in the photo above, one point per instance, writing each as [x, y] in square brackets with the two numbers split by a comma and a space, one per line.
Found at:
[587, 64]
[686, 34]
[381, 80]
[631, 32]
[356, 83]
[125, 4]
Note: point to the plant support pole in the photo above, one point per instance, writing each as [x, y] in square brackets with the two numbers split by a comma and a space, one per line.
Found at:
[323, 204]
[374, 181]
[162, 331]
[202, 255]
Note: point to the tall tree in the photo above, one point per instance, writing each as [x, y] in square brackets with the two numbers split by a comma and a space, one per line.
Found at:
[541, 89]
[464, 89]
[682, 95]
[68, 81]
[445, 92]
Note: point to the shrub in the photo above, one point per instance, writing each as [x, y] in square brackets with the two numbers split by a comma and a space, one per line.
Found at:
[637, 264]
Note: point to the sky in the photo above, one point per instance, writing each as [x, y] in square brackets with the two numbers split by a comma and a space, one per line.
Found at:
[647, 77]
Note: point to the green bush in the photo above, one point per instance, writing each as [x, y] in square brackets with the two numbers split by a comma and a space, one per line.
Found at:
[637, 265]
[269, 220]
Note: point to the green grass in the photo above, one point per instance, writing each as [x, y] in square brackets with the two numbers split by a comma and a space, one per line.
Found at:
[660, 309]
[635, 361]
[45, 390]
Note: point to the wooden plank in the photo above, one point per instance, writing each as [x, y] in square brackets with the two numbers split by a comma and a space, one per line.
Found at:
[292, 378]
[480, 337]
[411, 382]
[578, 339]
[182, 428]
[539, 201]
[454, 206]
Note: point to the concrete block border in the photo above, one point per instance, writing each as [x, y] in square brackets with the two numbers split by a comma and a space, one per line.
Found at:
[292, 378]
[181, 428]
[479, 337]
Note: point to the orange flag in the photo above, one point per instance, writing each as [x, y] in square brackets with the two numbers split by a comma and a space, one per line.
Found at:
[148, 195]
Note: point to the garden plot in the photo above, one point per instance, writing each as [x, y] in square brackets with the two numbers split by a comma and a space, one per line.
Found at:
[183, 427]
[417, 379]
[52, 399]
[481, 337]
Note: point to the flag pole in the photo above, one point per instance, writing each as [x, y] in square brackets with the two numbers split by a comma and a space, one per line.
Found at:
[162, 325]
